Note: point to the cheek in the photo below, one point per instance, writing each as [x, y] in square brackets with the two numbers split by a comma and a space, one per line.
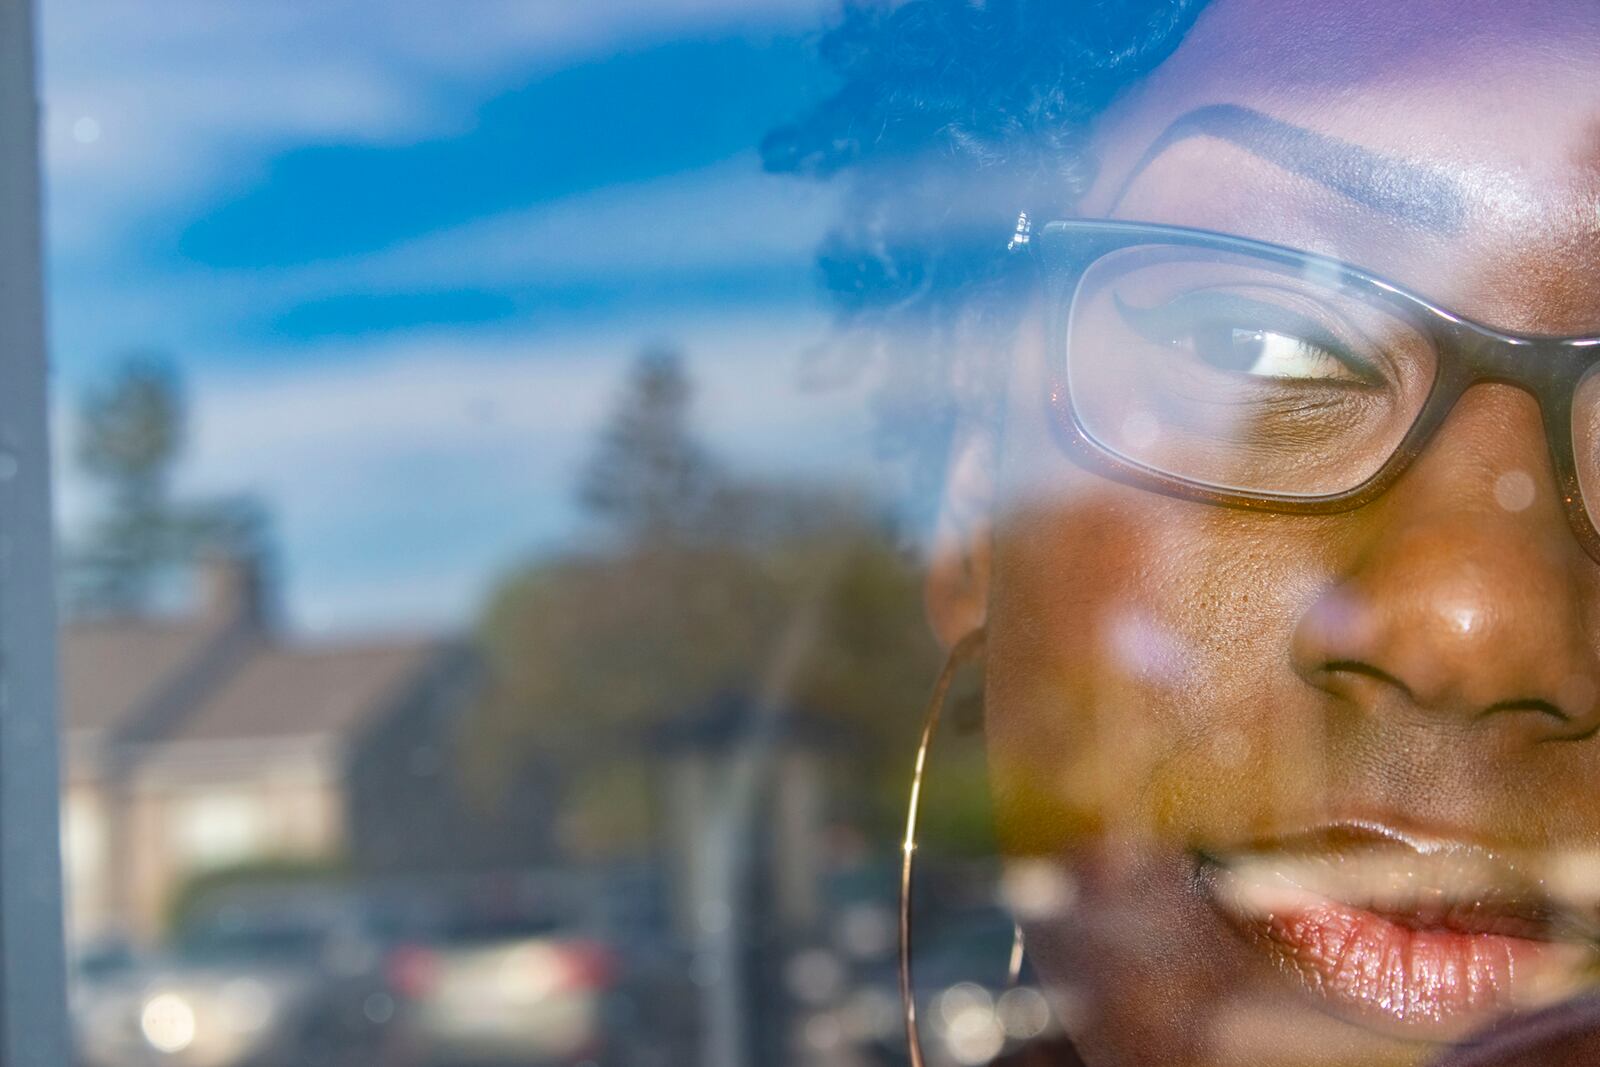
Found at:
[1137, 649]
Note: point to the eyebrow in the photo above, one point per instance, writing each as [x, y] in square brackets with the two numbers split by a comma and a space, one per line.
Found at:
[1414, 192]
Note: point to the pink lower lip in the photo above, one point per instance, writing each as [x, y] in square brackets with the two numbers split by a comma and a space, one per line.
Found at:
[1440, 981]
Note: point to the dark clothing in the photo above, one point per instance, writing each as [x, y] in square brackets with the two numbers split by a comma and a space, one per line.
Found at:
[1567, 1035]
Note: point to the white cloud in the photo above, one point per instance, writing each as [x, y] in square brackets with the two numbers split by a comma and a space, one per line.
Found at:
[184, 92]
[722, 215]
[530, 396]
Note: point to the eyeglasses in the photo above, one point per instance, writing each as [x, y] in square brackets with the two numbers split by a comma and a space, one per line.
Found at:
[1236, 372]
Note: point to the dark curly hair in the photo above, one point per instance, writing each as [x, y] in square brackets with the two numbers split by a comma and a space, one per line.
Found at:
[953, 116]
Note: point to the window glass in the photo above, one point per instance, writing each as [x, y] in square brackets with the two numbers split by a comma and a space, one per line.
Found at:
[932, 532]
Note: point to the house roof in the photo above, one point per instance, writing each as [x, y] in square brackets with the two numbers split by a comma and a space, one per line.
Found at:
[208, 679]
[111, 670]
[282, 691]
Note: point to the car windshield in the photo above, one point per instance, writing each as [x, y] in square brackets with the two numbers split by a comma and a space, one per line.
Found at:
[257, 939]
[483, 928]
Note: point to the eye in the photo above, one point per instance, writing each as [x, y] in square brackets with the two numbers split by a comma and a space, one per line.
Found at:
[1247, 336]
[1268, 354]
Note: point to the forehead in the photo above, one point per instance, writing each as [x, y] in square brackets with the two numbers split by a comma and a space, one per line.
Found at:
[1490, 112]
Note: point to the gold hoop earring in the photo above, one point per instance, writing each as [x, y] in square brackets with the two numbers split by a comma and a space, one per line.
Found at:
[967, 650]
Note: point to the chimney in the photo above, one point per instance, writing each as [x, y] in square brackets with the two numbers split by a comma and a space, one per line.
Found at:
[230, 588]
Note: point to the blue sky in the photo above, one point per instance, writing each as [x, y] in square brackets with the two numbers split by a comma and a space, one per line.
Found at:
[404, 250]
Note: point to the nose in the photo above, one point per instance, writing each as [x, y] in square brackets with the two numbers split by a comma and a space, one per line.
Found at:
[1465, 593]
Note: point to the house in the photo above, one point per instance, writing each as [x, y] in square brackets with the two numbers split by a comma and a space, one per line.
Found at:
[209, 741]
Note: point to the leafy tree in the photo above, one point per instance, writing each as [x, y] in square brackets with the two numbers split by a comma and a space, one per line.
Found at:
[588, 652]
[705, 585]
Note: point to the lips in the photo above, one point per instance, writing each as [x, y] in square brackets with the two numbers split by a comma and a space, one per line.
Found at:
[1424, 938]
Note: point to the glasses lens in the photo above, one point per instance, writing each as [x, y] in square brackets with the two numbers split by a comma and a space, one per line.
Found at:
[1241, 373]
[1586, 441]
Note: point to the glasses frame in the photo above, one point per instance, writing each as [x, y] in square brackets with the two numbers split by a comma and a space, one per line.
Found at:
[1550, 368]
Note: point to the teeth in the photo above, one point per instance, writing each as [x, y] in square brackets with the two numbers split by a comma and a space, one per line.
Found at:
[1573, 879]
[1429, 886]
[1259, 890]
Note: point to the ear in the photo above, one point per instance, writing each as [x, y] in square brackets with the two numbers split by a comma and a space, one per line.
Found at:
[956, 594]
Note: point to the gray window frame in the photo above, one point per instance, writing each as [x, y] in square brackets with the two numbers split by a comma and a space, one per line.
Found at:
[33, 1006]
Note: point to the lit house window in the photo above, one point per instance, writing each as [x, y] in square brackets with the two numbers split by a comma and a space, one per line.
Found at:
[214, 830]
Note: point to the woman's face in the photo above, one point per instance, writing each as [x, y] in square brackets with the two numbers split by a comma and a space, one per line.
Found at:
[1316, 783]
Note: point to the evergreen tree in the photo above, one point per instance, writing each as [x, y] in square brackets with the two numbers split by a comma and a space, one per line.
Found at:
[131, 430]
[130, 434]
[649, 480]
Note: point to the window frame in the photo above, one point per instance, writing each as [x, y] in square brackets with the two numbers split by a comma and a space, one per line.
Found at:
[33, 1005]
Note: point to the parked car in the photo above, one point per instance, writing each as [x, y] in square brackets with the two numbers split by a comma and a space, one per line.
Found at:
[262, 981]
[507, 989]
[98, 972]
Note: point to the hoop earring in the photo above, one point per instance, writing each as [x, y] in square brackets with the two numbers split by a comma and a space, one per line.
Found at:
[967, 650]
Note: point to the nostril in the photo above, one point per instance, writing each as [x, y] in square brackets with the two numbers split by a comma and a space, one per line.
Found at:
[1574, 729]
[1577, 707]
[1335, 668]
[1573, 714]
[1529, 704]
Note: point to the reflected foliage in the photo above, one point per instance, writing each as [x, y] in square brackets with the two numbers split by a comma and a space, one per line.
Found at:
[130, 435]
[649, 480]
[694, 594]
